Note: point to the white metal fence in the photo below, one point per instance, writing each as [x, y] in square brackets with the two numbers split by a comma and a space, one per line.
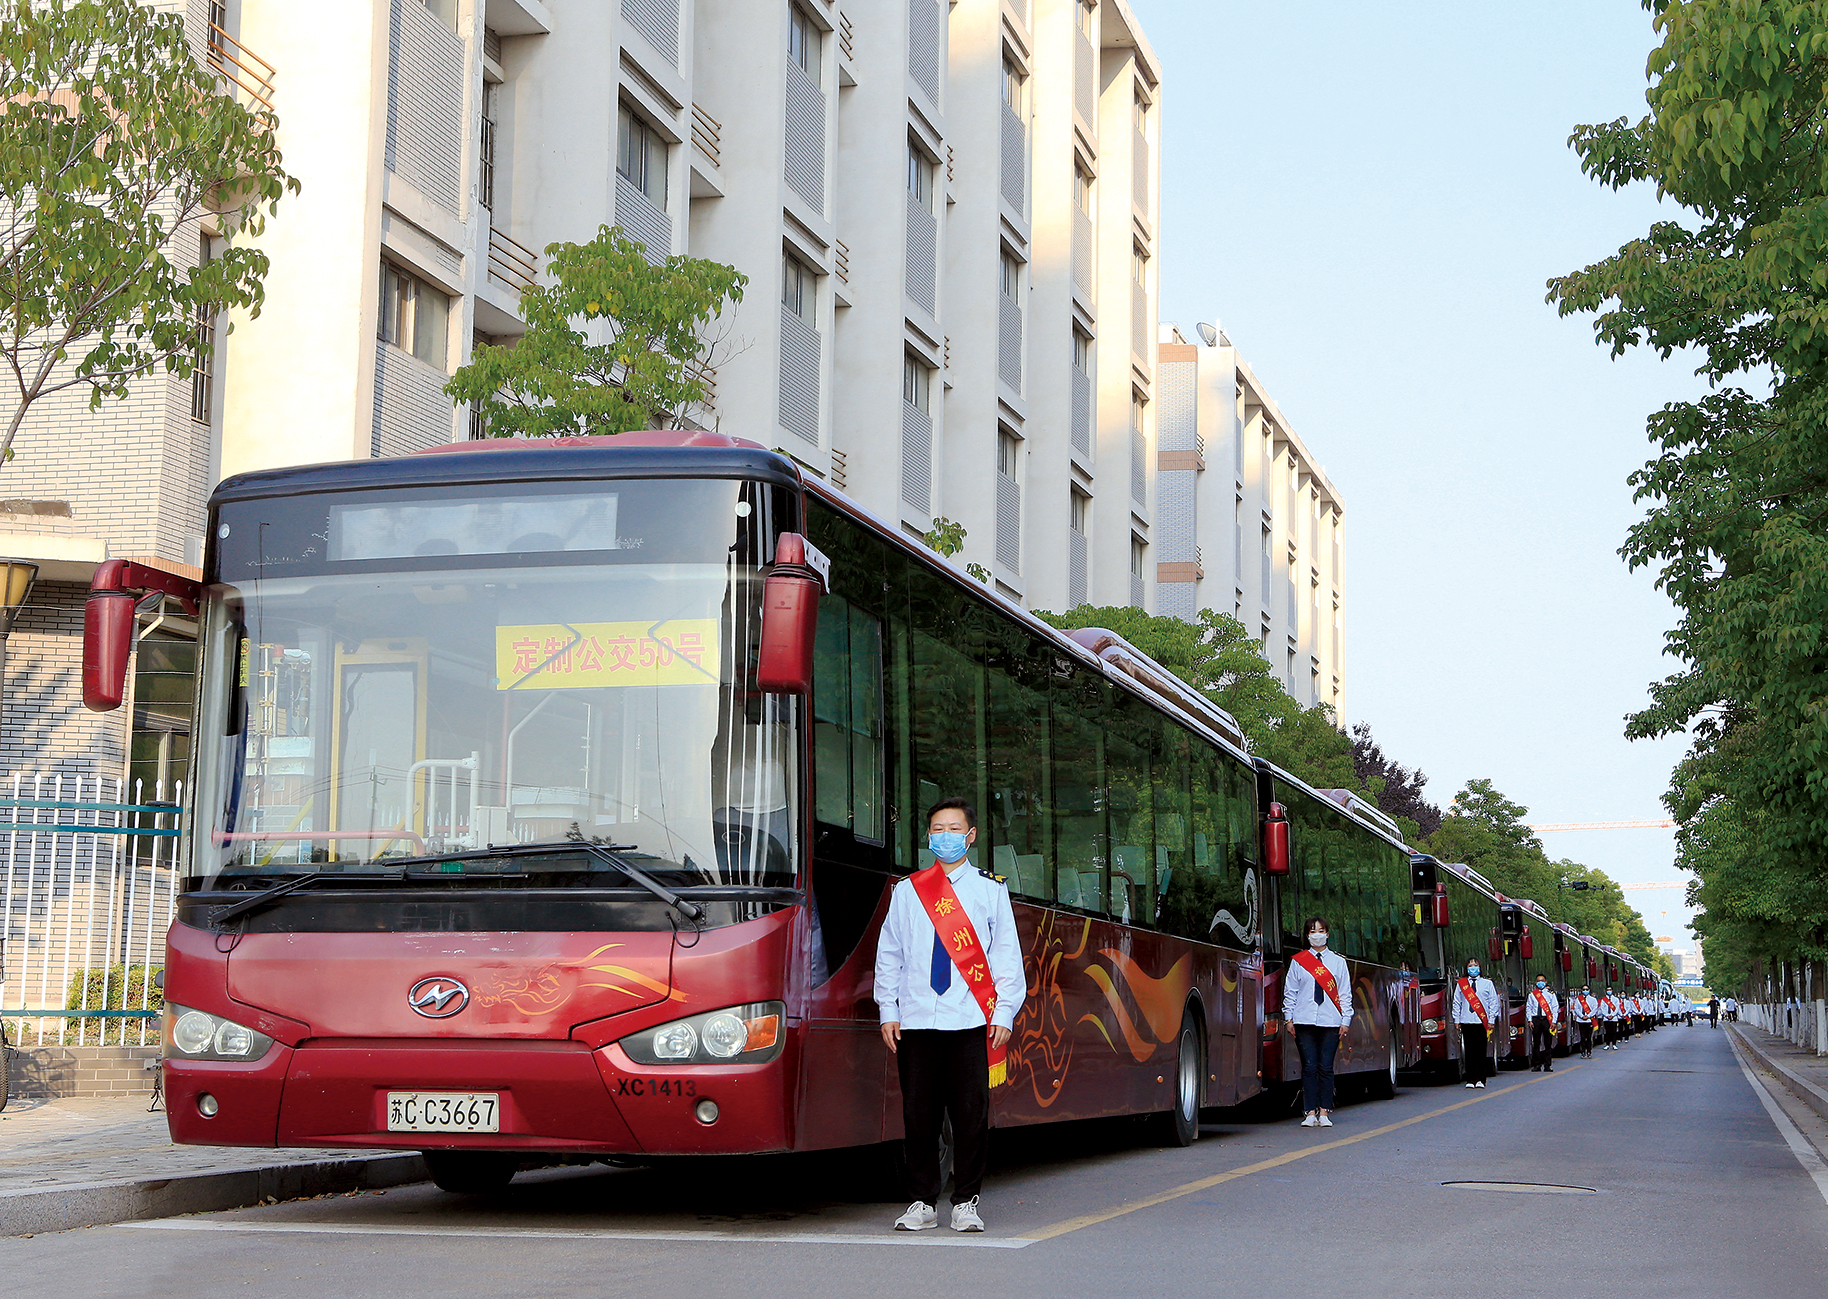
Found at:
[1803, 1023]
[87, 894]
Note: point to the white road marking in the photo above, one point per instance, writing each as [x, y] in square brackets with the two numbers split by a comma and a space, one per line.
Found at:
[1799, 1144]
[940, 1237]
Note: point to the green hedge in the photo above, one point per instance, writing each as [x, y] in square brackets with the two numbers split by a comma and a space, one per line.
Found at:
[126, 985]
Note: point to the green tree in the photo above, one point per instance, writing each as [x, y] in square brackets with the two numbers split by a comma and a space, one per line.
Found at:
[115, 145]
[1738, 490]
[611, 343]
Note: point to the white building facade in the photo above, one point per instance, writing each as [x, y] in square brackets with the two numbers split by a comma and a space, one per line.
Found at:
[949, 217]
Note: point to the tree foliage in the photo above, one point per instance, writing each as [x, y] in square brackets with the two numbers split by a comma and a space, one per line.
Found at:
[610, 345]
[1399, 789]
[1737, 525]
[115, 145]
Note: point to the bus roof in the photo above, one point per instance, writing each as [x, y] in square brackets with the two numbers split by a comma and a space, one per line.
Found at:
[653, 454]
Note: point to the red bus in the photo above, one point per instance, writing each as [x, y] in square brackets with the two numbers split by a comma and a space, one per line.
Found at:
[547, 798]
[1457, 917]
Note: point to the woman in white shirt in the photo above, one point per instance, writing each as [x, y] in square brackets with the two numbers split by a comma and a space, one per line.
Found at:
[1479, 1012]
[1317, 1007]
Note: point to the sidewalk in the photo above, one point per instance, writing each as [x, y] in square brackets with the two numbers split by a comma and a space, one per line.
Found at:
[1802, 1073]
[87, 1160]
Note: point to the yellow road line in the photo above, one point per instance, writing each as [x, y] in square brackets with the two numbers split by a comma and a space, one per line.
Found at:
[1217, 1179]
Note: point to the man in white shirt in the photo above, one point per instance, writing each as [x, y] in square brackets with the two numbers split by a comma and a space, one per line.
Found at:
[1317, 1007]
[1731, 1006]
[934, 1018]
[1479, 1011]
[1582, 1009]
[1542, 1012]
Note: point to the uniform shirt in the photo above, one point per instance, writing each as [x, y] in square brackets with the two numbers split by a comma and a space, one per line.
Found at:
[1298, 994]
[904, 957]
[1488, 997]
[1533, 1011]
[1732, 1003]
[1583, 1007]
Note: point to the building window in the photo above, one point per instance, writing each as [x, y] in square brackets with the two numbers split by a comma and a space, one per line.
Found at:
[799, 288]
[1088, 20]
[444, 10]
[1139, 268]
[1140, 112]
[916, 383]
[803, 42]
[920, 177]
[1012, 86]
[1138, 556]
[1076, 516]
[1011, 277]
[641, 156]
[414, 315]
[485, 170]
[1082, 189]
[1082, 351]
[1007, 451]
[203, 353]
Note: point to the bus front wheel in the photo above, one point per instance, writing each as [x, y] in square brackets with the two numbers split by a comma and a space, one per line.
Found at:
[1183, 1121]
[471, 1172]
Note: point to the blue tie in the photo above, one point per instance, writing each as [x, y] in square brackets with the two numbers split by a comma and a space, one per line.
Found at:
[941, 975]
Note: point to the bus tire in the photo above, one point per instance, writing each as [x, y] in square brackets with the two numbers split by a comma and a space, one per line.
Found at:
[471, 1172]
[1182, 1125]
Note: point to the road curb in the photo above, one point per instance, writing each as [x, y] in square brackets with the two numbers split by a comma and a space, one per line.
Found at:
[60, 1208]
[1801, 1088]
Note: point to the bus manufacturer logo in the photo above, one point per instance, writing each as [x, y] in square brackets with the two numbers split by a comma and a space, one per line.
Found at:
[438, 997]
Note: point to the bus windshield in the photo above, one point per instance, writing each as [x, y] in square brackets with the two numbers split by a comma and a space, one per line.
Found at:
[403, 674]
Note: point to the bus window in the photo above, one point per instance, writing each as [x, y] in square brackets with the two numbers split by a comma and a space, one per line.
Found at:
[1130, 756]
[1173, 793]
[1017, 820]
[1078, 783]
[847, 719]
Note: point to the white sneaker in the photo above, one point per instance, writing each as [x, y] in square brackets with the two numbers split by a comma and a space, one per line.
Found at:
[1325, 1121]
[1480, 1086]
[1310, 1120]
[920, 1216]
[964, 1216]
[1470, 1086]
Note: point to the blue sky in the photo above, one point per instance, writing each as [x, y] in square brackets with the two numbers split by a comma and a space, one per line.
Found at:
[1369, 198]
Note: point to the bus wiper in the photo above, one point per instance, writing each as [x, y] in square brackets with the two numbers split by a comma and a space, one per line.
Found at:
[610, 854]
[222, 915]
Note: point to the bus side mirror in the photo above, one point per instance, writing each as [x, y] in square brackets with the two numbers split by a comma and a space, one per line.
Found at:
[1275, 841]
[790, 619]
[1526, 946]
[109, 624]
[1442, 916]
[1567, 962]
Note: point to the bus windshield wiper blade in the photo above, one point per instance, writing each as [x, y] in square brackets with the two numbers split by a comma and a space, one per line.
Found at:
[222, 915]
[602, 852]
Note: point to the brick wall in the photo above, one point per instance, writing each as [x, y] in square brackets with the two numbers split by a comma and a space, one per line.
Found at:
[45, 727]
[54, 1072]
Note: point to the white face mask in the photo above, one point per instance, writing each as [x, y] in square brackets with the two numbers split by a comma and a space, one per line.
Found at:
[1317, 939]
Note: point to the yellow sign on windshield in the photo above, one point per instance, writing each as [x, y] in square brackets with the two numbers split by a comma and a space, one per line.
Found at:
[560, 656]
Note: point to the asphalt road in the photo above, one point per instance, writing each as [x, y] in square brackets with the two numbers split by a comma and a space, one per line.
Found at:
[1665, 1138]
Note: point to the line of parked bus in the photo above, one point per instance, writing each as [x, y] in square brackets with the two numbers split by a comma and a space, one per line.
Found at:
[548, 796]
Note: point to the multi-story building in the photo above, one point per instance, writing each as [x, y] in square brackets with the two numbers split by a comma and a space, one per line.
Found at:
[948, 214]
[1249, 523]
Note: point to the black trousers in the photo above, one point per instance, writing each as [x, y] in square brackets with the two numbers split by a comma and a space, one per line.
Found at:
[1542, 1043]
[945, 1071]
[1472, 1052]
[1586, 1037]
[1318, 1046]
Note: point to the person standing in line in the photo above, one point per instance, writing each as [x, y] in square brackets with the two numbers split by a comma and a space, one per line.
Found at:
[1542, 1011]
[1581, 1009]
[1610, 1015]
[1317, 1007]
[1713, 1011]
[1478, 1009]
[949, 981]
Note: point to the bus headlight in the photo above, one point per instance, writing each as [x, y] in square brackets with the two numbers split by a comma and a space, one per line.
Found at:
[1431, 1026]
[199, 1035]
[751, 1034]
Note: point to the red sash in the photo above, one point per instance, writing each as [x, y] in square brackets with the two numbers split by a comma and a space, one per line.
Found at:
[1471, 993]
[1322, 976]
[1542, 1004]
[954, 927]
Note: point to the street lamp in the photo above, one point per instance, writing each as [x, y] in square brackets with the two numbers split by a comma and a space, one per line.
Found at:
[16, 578]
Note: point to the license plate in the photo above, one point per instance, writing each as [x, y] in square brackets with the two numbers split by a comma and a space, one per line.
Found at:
[444, 1111]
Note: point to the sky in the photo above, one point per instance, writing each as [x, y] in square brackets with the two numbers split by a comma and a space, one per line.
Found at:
[1369, 199]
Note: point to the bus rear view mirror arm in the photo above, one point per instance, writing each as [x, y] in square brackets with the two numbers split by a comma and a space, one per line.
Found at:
[110, 624]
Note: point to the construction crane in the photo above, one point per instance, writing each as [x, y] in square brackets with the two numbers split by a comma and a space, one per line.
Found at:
[1659, 884]
[1663, 824]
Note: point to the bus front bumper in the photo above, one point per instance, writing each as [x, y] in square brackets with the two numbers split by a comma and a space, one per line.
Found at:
[556, 1097]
